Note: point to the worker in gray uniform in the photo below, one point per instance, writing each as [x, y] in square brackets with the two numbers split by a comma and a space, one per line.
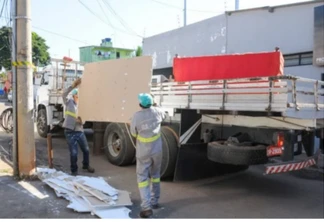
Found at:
[146, 127]
[73, 130]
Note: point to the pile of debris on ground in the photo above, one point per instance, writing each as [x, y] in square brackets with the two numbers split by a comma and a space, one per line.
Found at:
[87, 194]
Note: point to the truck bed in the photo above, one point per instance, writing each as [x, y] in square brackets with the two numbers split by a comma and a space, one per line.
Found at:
[286, 96]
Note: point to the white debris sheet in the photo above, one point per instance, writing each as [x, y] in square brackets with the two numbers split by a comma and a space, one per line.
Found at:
[88, 194]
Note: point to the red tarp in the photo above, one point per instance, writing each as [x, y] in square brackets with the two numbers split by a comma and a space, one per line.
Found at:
[228, 66]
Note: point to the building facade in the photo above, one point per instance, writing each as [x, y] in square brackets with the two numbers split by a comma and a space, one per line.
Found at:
[297, 29]
[104, 51]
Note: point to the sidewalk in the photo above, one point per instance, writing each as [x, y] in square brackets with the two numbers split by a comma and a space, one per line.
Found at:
[32, 199]
[28, 199]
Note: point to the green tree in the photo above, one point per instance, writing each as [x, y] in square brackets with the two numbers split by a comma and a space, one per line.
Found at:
[5, 56]
[40, 55]
[139, 51]
[3, 76]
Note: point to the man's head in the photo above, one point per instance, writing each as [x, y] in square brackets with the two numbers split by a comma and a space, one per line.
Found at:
[145, 100]
[75, 96]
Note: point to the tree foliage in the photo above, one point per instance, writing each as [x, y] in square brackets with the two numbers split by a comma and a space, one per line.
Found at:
[40, 55]
[139, 51]
[5, 53]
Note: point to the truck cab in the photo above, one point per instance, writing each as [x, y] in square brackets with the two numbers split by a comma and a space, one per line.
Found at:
[49, 85]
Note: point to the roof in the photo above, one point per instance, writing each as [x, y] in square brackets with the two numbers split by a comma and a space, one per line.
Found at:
[276, 6]
[107, 47]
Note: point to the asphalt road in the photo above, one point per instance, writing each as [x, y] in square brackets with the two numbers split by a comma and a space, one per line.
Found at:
[247, 194]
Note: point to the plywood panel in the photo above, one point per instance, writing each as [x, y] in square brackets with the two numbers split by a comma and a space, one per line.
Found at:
[109, 89]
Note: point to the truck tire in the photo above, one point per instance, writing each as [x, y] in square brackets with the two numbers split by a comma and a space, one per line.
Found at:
[237, 155]
[42, 127]
[169, 152]
[118, 148]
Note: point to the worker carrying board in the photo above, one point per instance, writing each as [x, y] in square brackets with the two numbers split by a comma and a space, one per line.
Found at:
[146, 128]
[73, 130]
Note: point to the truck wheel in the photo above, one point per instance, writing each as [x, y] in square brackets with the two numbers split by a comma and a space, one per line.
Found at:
[236, 155]
[169, 152]
[42, 127]
[118, 145]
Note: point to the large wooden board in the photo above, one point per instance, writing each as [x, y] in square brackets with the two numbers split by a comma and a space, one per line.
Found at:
[109, 89]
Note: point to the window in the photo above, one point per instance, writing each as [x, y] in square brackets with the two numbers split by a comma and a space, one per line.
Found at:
[306, 59]
[299, 59]
[291, 60]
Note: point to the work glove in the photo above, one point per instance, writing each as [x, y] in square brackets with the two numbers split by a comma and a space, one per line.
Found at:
[76, 83]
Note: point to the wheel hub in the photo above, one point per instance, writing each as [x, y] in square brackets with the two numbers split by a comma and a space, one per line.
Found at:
[114, 144]
[41, 123]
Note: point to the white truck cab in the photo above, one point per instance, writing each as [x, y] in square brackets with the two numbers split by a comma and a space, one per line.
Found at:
[48, 88]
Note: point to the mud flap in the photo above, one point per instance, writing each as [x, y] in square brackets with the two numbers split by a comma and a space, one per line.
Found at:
[193, 164]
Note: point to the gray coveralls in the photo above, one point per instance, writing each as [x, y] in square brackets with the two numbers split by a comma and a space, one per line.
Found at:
[146, 127]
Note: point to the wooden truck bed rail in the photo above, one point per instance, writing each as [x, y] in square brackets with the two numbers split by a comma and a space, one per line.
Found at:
[289, 96]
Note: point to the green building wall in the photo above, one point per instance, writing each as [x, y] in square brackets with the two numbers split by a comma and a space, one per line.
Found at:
[90, 53]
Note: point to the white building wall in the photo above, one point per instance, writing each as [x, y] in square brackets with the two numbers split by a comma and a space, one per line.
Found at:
[291, 28]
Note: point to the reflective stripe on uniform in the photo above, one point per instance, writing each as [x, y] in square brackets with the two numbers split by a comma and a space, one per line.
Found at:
[143, 184]
[155, 180]
[148, 140]
[69, 113]
[134, 135]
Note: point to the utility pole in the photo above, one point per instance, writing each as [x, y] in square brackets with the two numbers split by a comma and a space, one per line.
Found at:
[25, 100]
[185, 13]
[237, 5]
[14, 88]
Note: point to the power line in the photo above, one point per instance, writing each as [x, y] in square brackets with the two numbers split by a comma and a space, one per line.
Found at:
[8, 12]
[126, 26]
[3, 6]
[54, 33]
[180, 8]
[64, 36]
[105, 21]
[166, 4]
[103, 11]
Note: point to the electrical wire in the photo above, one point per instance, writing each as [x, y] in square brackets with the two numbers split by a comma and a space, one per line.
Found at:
[3, 6]
[180, 8]
[54, 33]
[166, 4]
[120, 19]
[115, 33]
[93, 13]
[7, 12]
[103, 11]
[64, 36]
